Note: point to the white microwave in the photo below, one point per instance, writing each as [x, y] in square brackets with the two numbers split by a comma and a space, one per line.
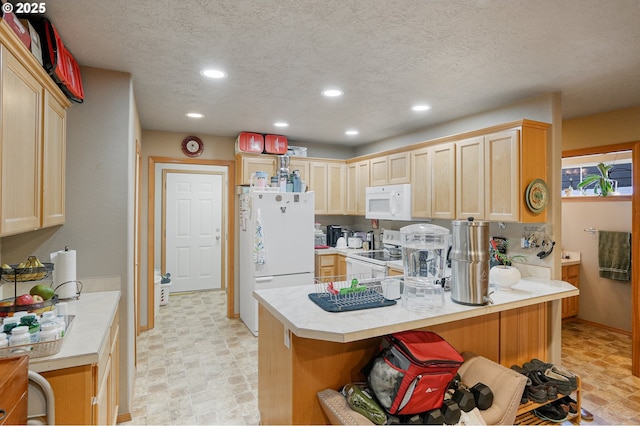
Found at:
[390, 202]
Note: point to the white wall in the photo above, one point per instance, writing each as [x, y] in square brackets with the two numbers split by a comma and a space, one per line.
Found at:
[602, 300]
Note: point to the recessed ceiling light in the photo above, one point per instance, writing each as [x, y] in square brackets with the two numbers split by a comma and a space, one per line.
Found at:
[332, 93]
[351, 132]
[212, 73]
[281, 124]
[194, 115]
[420, 107]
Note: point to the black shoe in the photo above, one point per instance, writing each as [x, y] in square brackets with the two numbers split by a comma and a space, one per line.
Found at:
[551, 413]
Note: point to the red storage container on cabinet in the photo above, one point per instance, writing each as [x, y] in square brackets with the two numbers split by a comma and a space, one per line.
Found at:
[59, 62]
[14, 23]
[276, 144]
[250, 142]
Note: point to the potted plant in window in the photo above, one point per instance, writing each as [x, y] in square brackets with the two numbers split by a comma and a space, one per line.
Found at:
[602, 183]
[504, 275]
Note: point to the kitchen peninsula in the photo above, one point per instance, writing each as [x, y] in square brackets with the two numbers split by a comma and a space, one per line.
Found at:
[303, 349]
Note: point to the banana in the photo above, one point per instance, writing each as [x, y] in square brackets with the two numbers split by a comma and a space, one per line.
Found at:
[7, 272]
[41, 269]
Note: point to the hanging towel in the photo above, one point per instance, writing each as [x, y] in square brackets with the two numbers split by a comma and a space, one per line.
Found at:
[259, 253]
[614, 255]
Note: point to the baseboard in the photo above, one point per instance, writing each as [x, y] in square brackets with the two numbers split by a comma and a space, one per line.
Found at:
[597, 325]
[125, 417]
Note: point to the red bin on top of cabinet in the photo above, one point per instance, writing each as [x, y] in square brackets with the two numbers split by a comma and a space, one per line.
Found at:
[250, 142]
[276, 144]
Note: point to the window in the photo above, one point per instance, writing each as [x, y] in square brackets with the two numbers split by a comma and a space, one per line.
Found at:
[575, 169]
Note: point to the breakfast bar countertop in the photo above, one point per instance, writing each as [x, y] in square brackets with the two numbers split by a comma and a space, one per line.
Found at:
[292, 306]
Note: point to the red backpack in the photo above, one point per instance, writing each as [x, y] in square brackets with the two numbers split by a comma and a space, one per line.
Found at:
[412, 372]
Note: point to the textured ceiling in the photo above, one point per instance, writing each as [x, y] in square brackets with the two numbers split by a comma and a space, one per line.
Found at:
[459, 56]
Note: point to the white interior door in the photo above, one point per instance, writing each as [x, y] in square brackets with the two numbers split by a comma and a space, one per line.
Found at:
[194, 233]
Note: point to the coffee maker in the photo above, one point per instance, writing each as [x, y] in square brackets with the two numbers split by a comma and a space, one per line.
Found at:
[333, 233]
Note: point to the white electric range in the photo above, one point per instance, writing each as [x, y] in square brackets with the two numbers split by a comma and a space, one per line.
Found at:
[374, 263]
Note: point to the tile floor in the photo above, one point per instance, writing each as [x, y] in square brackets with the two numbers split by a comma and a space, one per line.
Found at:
[199, 367]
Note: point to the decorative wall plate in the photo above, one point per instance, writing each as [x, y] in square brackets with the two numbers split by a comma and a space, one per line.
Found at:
[537, 195]
[192, 146]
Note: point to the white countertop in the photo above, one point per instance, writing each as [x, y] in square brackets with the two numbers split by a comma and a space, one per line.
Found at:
[570, 258]
[93, 316]
[334, 250]
[304, 318]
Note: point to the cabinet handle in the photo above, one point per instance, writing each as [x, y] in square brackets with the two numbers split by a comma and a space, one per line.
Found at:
[2, 414]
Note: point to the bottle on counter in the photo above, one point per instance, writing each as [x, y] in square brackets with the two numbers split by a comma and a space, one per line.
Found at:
[31, 321]
[20, 336]
[49, 331]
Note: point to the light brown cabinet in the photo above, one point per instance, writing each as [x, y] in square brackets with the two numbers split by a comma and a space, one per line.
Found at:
[53, 162]
[421, 182]
[326, 265]
[336, 186]
[443, 184]
[357, 182]
[13, 390]
[21, 147]
[570, 305]
[470, 178]
[32, 141]
[390, 169]
[327, 180]
[248, 164]
[493, 171]
[88, 394]
[341, 266]
[302, 165]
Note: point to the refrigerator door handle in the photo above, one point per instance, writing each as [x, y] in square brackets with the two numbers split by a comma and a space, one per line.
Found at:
[264, 279]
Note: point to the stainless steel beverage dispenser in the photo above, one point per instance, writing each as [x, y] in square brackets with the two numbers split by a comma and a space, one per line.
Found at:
[470, 262]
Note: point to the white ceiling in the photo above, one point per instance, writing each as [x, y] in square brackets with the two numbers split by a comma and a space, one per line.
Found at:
[459, 56]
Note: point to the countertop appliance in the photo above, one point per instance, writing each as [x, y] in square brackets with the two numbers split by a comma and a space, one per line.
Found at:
[373, 263]
[390, 202]
[470, 262]
[333, 233]
[276, 236]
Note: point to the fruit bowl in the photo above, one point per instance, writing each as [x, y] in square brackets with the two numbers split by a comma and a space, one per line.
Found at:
[35, 273]
[8, 306]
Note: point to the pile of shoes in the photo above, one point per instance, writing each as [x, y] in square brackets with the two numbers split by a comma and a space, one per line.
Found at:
[546, 382]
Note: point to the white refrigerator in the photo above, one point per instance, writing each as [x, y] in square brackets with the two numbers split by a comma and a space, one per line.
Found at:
[276, 238]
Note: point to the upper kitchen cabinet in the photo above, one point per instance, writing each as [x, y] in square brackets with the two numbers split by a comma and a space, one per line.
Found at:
[32, 141]
[470, 178]
[443, 181]
[53, 164]
[248, 164]
[301, 164]
[326, 179]
[21, 147]
[357, 182]
[390, 169]
[494, 170]
[528, 158]
[421, 182]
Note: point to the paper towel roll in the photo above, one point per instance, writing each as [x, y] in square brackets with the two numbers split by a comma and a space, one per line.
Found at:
[64, 273]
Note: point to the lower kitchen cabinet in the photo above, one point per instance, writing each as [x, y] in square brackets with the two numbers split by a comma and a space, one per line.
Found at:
[88, 394]
[341, 267]
[326, 265]
[13, 390]
[570, 305]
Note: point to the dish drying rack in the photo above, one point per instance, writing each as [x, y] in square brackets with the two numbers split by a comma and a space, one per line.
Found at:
[345, 293]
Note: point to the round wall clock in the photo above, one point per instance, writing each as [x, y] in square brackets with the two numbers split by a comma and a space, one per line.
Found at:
[192, 146]
[537, 195]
